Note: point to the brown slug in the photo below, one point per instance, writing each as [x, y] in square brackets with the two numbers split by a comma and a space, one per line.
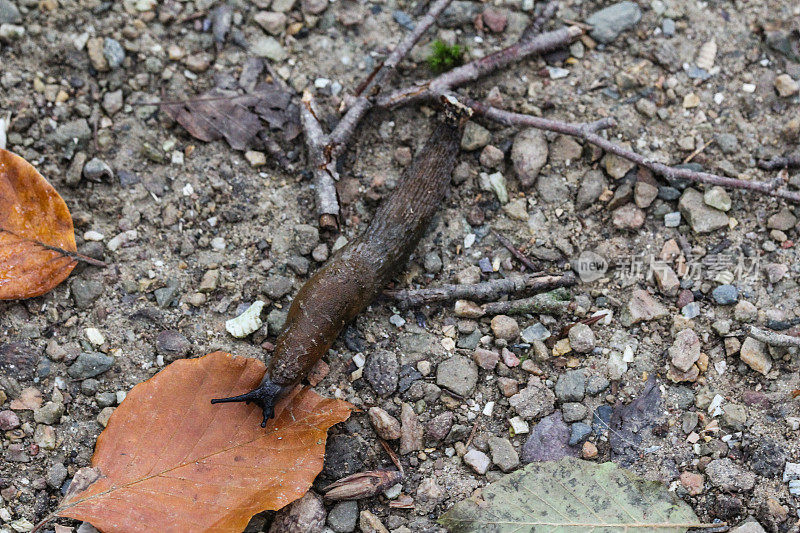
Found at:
[357, 273]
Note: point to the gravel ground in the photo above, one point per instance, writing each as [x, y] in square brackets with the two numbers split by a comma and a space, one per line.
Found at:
[194, 233]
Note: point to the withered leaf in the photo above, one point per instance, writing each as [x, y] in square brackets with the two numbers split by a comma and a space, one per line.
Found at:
[218, 114]
[572, 496]
[37, 240]
[171, 461]
[276, 107]
[632, 424]
[237, 118]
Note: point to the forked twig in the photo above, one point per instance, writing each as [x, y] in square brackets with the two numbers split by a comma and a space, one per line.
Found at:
[324, 150]
[432, 89]
[588, 132]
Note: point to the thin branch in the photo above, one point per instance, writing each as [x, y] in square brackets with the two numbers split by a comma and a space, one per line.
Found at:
[588, 132]
[68, 253]
[347, 125]
[430, 89]
[515, 251]
[774, 339]
[480, 292]
[555, 302]
[536, 27]
[776, 163]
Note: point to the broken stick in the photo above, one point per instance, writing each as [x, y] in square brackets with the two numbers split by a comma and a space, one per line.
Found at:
[480, 292]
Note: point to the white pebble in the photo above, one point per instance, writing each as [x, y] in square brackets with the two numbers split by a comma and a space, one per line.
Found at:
[393, 491]
[397, 321]
[489, 409]
[94, 336]
[92, 235]
[748, 88]
[122, 239]
[218, 243]
[791, 471]
[715, 408]
[627, 355]
[557, 73]
[672, 220]
[246, 323]
[469, 240]
[424, 367]
[80, 41]
[719, 98]
[519, 426]
[359, 360]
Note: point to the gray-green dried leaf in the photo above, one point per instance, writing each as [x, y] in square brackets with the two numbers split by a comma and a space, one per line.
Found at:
[571, 496]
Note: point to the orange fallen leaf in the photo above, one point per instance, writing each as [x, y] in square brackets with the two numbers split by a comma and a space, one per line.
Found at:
[171, 461]
[37, 240]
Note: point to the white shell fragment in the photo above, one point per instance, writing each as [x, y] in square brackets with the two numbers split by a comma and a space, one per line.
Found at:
[706, 55]
[4, 123]
[246, 323]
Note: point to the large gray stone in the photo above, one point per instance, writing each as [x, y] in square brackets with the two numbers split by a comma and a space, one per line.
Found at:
[89, 365]
[529, 155]
[609, 22]
[9, 14]
[702, 217]
[457, 374]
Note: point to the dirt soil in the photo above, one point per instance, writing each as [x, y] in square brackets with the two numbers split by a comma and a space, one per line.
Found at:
[193, 233]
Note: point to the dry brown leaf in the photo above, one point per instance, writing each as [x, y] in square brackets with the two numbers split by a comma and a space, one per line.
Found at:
[171, 461]
[218, 114]
[37, 241]
[221, 114]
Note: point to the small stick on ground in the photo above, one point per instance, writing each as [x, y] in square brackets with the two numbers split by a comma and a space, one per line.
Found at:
[433, 88]
[346, 127]
[324, 167]
[587, 321]
[588, 132]
[536, 27]
[480, 292]
[777, 163]
[774, 339]
[472, 433]
[556, 302]
[697, 152]
[515, 252]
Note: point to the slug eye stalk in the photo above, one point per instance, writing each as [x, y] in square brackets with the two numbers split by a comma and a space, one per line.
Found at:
[265, 396]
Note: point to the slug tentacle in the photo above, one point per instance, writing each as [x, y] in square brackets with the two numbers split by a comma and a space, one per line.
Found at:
[265, 396]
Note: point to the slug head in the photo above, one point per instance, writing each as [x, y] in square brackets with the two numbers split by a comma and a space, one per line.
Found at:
[265, 396]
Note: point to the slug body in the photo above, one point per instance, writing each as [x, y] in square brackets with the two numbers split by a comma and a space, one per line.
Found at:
[357, 273]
